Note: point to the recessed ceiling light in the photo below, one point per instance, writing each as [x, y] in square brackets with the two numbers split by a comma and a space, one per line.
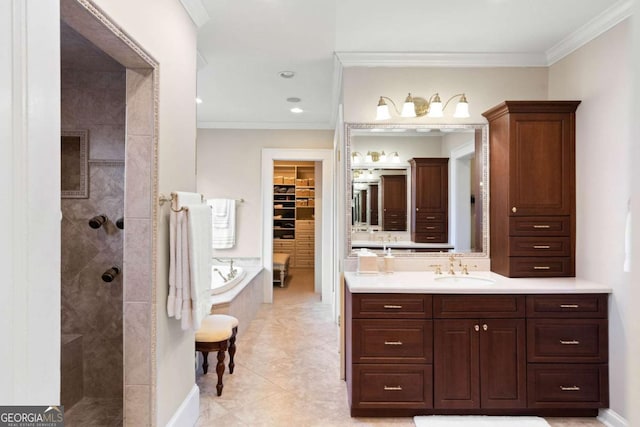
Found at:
[294, 99]
[287, 74]
[198, 101]
[296, 110]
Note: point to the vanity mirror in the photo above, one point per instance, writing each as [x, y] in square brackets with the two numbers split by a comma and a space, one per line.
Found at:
[419, 189]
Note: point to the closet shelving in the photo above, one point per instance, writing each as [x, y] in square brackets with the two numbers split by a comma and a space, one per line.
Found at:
[294, 212]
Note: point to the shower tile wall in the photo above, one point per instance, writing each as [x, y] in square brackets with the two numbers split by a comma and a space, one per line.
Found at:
[93, 98]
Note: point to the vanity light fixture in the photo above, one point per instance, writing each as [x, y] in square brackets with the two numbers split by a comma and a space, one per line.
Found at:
[356, 157]
[417, 107]
[374, 157]
[395, 157]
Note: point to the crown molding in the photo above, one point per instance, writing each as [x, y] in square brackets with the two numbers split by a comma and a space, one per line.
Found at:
[433, 59]
[592, 29]
[196, 11]
[267, 125]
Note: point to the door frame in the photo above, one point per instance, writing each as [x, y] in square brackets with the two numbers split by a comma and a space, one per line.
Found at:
[324, 259]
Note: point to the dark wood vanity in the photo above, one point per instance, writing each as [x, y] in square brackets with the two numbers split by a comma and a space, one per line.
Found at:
[538, 354]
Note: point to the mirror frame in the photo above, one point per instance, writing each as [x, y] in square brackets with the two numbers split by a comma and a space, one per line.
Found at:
[348, 131]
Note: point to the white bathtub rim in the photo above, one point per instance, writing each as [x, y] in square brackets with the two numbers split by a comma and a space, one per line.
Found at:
[229, 295]
[223, 287]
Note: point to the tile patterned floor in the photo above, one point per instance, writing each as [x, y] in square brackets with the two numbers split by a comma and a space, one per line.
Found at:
[287, 370]
[94, 412]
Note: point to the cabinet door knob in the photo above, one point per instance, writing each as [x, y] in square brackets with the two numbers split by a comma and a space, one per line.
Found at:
[514, 209]
[485, 327]
[476, 327]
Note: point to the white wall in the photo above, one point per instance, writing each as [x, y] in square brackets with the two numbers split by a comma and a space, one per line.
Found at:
[165, 31]
[229, 166]
[484, 87]
[599, 74]
[30, 192]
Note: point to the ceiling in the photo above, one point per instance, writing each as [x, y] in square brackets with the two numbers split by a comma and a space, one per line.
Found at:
[244, 45]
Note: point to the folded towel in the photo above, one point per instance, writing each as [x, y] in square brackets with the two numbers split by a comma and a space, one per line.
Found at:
[224, 227]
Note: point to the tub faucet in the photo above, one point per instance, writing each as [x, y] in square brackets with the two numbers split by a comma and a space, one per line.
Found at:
[232, 271]
[224, 279]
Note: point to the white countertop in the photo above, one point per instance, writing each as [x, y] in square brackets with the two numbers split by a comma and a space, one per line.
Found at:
[405, 282]
[401, 244]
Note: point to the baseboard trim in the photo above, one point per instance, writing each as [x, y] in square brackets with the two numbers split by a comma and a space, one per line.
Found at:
[611, 418]
[189, 411]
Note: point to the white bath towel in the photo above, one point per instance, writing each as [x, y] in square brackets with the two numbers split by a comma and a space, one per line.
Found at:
[176, 256]
[224, 223]
[199, 236]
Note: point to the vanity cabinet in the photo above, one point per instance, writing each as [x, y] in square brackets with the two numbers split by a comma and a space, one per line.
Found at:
[532, 187]
[394, 202]
[479, 352]
[567, 351]
[430, 200]
[510, 354]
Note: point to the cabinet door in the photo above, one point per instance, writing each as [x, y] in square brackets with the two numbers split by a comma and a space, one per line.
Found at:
[503, 361]
[394, 202]
[431, 185]
[542, 159]
[456, 364]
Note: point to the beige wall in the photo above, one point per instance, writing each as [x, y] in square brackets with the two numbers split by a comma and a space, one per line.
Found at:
[599, 74]
[229, 166]
[484, 88]
[147, 21]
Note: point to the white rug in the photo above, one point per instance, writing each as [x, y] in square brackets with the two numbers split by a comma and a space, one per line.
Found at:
[477, 421]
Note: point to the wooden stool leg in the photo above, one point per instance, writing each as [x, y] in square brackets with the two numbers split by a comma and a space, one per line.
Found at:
[232, 349]
[220, 368]
[282, 277]
[205, 363]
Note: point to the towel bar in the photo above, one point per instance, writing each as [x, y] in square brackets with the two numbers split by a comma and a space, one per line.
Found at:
[162, 199]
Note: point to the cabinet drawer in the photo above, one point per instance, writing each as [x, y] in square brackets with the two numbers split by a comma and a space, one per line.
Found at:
[541, 267]
[471, 307]
[391, 386]
[392, 341]
[305, 225]
[583, 305]
[429, 227]
[424, 216]
[430, 238]
[567, 340]
[540, 246]
[556, 386]
[386, 306]
[540, 226]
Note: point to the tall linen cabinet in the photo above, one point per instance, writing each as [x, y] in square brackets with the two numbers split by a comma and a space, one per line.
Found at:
[532, 187]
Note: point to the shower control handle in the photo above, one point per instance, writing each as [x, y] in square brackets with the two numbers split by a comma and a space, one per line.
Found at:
[98, 221]
[120, 223]
[110, 274]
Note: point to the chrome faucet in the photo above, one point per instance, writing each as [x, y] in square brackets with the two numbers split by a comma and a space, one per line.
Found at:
[224, 279]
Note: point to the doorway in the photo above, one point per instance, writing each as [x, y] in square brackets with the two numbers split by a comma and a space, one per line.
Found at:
[139, 217]
[324, 264]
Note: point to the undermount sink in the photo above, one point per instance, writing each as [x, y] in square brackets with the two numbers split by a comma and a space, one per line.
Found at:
[465, 280]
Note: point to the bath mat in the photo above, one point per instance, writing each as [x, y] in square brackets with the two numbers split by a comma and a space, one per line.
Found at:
[477, 421]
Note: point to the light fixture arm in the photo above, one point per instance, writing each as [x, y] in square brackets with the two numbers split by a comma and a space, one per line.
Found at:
[395, 107]
[462, 99]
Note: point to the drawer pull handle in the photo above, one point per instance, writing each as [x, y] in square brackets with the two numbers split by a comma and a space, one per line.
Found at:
[392, 388]
[541, 247]
[396, 307]
[431, 217]
[541, 226]
[572, 342]
[431, 238]
[393, 343]
[572, 388]
[430, 228]
[542, 267]
[569, 306]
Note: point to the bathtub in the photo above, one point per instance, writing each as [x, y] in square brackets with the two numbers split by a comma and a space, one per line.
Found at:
[218, 285]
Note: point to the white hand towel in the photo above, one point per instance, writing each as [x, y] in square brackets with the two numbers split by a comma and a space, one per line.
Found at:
[224, 234]
[199, 232]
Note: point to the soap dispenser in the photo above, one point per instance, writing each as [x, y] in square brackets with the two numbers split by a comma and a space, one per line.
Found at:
[388, 262]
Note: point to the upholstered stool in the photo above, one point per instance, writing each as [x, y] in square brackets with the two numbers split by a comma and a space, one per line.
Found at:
[232, 341]
[214, 335]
